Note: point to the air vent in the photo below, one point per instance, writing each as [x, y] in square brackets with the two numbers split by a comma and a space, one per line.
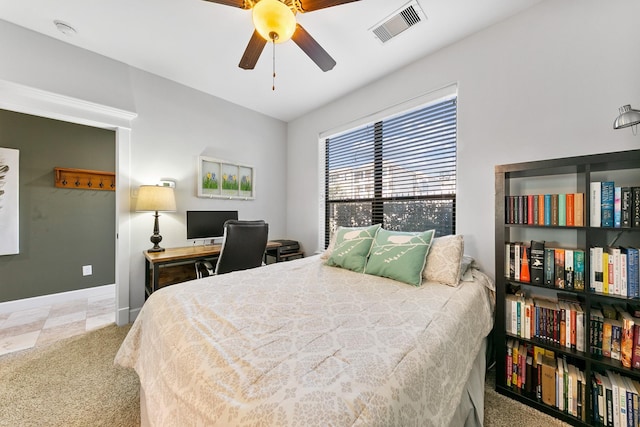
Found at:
[407, 16]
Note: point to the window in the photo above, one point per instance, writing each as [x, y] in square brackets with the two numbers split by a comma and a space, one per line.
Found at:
[400, 172]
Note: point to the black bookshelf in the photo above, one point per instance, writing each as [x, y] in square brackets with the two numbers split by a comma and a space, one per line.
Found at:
[563, 175]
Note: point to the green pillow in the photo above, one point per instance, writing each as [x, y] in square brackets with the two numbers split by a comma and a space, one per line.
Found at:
[352, 246]
[400, 256]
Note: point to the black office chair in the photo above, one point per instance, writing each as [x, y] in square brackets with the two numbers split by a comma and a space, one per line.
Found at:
[243, 245]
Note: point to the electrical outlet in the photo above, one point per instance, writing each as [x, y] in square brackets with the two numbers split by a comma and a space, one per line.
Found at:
[87, 270]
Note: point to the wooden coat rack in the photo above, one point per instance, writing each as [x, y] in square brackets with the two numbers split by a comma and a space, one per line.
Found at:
[84, 179]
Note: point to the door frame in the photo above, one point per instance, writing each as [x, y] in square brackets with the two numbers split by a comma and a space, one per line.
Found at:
[28, 100]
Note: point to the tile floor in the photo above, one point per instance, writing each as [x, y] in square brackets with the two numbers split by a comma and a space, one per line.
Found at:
[33, 327]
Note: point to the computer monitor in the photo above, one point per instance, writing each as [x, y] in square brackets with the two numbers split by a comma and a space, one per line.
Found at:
[207, 224]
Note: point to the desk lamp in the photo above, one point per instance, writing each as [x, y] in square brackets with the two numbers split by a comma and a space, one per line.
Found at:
[154, 198]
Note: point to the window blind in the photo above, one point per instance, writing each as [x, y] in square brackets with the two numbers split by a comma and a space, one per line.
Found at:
[400, 172]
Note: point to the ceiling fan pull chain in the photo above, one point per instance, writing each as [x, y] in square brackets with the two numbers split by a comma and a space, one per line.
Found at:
[273, 87]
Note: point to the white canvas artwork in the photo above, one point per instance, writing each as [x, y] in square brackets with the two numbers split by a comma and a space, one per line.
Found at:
[9, 162]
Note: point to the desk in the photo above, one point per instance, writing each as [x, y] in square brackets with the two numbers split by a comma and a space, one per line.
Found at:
[182, 255]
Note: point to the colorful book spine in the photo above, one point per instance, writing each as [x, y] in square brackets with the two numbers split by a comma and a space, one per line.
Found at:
[594, 204]
[633, 272]
[541, 208]
[578, 209]
[617, 195]
[547, 209]
[549, 267]
[635, 207]
[562, 210]
[559, 268]
[578, 270]
[570, 210]
[537, 262]
[625, 207]
[596, 273]
[568, 269]
[607, 204]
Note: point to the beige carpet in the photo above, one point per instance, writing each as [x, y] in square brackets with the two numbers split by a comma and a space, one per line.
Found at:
[70, 383]
[75, 383]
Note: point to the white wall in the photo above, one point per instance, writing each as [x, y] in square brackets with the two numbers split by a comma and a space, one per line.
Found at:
[546, 83]
[174, 125]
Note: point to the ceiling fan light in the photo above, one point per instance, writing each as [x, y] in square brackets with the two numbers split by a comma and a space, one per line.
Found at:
[274, 20]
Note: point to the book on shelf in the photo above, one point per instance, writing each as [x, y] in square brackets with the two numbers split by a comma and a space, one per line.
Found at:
[613, 270]
[632, 272]
[578, 209]
[626, 342]
[549, 267]
[606, 204]
[549, 380]
[568, 269]
[616, 338]
[537, 262]
[562, 209]
[517, 251]
[554, 209]
[559, 268]
[606, 337]
[570, 210]
[596, 319]
[617, 194]
[635, 206]
[625, 207]
[524, 210]
[578, 269]
[547, 209]
[605, 273]
[596, 273]
[580, 327]
[541, 209]
[595, 204]
[530, 209]
[635, 356]
[525, 275]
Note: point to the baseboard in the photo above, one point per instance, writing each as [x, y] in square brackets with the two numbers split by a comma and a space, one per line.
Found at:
[41, 301]
[133, 314]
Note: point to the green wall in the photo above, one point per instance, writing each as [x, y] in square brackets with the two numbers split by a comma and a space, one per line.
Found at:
[61, 230]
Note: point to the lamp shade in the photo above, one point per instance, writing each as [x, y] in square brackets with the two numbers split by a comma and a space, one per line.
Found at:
[274, 20]
[155, 198]
[628, 117]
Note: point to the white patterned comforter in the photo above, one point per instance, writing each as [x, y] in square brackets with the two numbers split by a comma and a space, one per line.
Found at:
[303, 344]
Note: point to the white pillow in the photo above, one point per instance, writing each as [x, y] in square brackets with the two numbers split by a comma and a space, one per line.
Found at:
[444, 260]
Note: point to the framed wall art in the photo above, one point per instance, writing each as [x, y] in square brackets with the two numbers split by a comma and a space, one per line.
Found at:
[9, 208]
[223, 179]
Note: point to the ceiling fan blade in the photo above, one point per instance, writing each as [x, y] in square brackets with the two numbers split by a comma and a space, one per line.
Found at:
[242, 4]
[252, 52]
[311, 5]
[313, 50]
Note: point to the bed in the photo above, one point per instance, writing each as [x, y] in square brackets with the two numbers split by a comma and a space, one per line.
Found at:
[302, 343]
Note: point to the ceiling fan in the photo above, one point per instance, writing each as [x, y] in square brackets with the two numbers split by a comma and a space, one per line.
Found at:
[274, 21]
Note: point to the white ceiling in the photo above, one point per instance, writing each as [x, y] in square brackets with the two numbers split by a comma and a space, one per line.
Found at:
[199, 44]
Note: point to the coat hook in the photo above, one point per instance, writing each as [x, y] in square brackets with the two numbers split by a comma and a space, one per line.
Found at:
[89, 183]
[101, 185]
[77, 182]
[64, 181]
